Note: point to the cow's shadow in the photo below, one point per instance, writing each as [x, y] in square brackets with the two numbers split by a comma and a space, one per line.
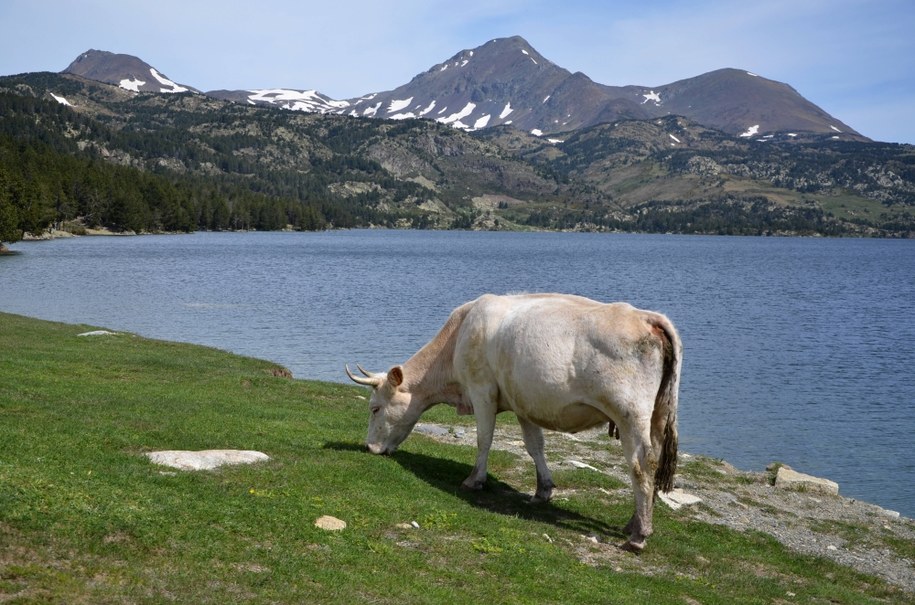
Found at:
[496, 496]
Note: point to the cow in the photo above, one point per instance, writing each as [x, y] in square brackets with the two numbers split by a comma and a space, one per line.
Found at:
[558, 361]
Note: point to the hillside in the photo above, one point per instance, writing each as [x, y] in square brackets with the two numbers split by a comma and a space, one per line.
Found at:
[133, 161]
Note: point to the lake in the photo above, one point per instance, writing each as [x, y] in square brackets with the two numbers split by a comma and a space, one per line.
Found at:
[799, 350]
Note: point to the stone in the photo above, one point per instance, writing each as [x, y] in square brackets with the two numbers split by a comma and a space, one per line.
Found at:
[788, 478]
[205, 460]
[329, 523]
[98, 333]
[431, 429]
[582, 465]
[677, 498]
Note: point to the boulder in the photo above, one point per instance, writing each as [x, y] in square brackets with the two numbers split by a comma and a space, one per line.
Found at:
[329, 523]
[205, 460]
[677, 498]
[788, 478]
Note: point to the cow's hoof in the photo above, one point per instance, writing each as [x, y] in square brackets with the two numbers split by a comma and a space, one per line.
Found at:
[633, 547]
[471, 486]
[541, 497]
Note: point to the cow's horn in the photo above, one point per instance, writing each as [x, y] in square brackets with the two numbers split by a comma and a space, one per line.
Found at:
[369, 380]
[364, 371]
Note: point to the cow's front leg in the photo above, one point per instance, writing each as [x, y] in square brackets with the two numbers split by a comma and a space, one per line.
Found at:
[485, 413]
[533, 441]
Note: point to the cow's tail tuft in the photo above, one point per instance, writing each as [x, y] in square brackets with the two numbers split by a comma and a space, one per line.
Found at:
[664, 417]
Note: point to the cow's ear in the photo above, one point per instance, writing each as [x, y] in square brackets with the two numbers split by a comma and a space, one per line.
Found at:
[395, 376]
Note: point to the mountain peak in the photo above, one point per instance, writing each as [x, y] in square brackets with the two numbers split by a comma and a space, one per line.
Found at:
[505, 81]
[126, 71]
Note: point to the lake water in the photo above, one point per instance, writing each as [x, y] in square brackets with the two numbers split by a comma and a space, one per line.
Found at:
[796, 350]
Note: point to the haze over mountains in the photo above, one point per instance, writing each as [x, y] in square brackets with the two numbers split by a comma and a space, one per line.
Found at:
[507, 82]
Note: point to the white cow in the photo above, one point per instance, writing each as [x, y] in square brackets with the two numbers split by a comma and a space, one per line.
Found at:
[560, 362]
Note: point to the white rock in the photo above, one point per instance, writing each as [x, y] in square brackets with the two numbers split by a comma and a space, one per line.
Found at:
[98, 333]
[205, 460]
[330, 523]
[579, 464]
[677, 498]
[788, 478]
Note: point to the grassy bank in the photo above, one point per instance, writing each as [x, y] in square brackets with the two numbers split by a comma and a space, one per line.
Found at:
[85, 518]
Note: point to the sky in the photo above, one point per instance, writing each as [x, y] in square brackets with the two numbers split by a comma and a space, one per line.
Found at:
[853, 58]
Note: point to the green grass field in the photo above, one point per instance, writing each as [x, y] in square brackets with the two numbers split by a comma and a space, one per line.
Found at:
[86, 518]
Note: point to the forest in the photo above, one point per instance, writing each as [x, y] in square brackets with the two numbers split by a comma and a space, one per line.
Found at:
[179, 163]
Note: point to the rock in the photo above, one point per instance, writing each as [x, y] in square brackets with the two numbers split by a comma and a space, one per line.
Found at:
[330, 523]
[431, 429]
[788, 478]
[205, 460]
[98, 333]
[677, 499]
[579, 464]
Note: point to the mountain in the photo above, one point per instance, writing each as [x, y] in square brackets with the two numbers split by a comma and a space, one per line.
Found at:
[507, 82]
[77, 150]
[126, 71]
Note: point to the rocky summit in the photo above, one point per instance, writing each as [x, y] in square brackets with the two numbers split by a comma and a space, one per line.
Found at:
[126, 71]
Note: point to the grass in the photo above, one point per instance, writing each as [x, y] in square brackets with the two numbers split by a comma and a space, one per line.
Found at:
[85, 518]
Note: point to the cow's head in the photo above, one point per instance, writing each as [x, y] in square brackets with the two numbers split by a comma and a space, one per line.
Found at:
[392, 416]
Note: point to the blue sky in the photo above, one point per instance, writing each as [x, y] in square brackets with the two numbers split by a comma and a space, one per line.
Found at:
[853, 58]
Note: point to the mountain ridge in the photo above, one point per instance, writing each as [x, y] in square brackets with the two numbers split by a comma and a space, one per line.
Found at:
[505, 81]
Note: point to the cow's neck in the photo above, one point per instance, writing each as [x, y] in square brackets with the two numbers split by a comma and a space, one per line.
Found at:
[430, 372]
[431, 383]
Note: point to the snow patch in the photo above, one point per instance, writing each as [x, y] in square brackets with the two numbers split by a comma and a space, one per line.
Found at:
[507, 110]
[673, 137]
[482, 122]
[444, 67]
[398, 104]
[133, 85]
[546, 98]
[537, 132]
[834, 128]
[61, 100]
[429, 108]
[555, 141]
[165, 82]
[402, 116]
[750, 73]
[456, 117]
[751, 131]
[371, 111]
[652, 96]
[296, 100]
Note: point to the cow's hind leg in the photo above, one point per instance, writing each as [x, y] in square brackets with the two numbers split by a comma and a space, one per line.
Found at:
[533, 441]
[642, 464]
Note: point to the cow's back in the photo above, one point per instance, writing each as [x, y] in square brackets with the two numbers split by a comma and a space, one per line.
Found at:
[561, 361]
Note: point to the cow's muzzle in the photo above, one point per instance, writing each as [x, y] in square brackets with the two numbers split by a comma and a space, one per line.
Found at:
[376, 448]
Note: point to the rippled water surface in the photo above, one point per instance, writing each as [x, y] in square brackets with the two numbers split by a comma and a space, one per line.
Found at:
[797, 350]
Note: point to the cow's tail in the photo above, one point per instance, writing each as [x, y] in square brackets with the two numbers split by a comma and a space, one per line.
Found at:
[664, 417]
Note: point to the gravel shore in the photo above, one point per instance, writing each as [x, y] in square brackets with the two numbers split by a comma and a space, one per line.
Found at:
[850, 532]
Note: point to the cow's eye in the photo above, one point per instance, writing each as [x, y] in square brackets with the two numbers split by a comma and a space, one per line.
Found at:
[375, 409]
